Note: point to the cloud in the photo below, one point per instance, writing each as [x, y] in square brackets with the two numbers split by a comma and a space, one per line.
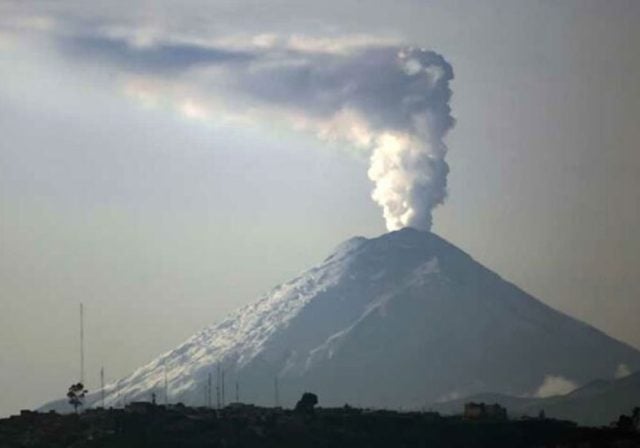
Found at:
[163, 58]
[555, 385]
[390, 101]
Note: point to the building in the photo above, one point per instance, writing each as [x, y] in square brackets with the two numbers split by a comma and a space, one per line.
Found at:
[482, 411]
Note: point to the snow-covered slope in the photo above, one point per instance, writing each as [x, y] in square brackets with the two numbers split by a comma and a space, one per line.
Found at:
[399, 320]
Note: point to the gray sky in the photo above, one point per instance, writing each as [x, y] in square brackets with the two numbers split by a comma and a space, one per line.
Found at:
[162, 218]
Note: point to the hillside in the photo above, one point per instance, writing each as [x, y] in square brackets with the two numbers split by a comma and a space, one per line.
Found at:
[596, 404]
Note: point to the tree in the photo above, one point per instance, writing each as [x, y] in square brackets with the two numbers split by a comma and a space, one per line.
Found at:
[630, 423]
[625, 423]
[76, 395]
[306, 403]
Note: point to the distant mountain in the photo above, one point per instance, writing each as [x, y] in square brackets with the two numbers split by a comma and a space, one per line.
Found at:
[596, 404]
[394, 321]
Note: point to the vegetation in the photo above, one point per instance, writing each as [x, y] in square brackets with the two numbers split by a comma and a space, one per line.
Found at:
[76, 395]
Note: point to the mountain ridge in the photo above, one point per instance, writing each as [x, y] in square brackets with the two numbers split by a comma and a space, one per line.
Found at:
[597, 403]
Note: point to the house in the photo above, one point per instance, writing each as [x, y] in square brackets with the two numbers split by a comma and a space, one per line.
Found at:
[482, 411]
[140, 407]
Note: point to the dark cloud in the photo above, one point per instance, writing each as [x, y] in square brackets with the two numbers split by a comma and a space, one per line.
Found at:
[370, 80]
[163, 58]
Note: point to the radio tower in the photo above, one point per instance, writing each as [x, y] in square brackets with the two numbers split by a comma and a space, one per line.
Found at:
[222, 387]
[166, 385]
[102, 385]
[209, 391]
[81, 343]
[276, 390]
[218, 386]
[237, 392]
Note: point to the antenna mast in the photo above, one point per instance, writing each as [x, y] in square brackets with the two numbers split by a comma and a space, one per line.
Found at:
[102, 385]
[81, 343]
[223, 387]
[166, 384]
[218, 386]
[209, 404]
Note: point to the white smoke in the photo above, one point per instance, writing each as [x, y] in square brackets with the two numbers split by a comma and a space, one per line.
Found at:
[409, 169]
[410, 180]
[622, 371]
[555, 385]
[388, 100]
[392, 101]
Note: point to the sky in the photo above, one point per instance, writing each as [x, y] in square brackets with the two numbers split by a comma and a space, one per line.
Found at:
[159, 163]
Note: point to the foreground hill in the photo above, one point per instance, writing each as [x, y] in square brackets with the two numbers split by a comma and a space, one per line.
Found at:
[395, 321]
[241, 426]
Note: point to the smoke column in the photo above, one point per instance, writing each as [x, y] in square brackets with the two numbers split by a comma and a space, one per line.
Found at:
[393, 102]
[409, 168]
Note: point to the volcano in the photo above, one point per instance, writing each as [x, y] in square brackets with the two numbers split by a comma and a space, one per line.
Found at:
[401, 320]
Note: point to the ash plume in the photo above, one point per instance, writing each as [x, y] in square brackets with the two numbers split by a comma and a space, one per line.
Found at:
[390, 101]
[393, 101]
